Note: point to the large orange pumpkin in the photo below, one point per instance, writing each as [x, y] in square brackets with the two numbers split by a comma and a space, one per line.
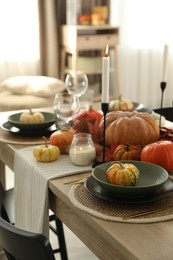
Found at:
[129, 128]
[160, 153]
[62, 139]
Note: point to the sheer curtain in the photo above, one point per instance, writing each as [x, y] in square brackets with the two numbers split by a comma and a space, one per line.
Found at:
[29, 38]
[19, 38]
[49, 44]
[145, 26]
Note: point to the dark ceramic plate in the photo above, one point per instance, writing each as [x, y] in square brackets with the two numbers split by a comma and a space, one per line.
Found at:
[14, 120]
[97, 191]
[36, 132]
[151, 178]
[145, 110]
[140, 108]
[167, 112]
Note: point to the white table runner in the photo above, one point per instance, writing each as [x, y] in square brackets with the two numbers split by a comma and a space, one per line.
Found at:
[31, 188]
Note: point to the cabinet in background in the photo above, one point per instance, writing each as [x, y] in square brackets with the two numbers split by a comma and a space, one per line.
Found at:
[82, 49]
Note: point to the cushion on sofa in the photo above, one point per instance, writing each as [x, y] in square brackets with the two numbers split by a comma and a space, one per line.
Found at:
[9, 101]
[41, 86]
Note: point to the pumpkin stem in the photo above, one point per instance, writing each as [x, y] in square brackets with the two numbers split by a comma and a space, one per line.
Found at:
[119, 99]
[90, 107]
[65, 129]
[30, 110]
[45, 140]
[127, 147]
[121, 165]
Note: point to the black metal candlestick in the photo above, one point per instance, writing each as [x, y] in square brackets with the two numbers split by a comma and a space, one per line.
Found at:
[162, 86]
[105, 109]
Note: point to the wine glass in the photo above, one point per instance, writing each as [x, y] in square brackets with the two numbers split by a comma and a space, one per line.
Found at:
[65, 107]
[76, 83]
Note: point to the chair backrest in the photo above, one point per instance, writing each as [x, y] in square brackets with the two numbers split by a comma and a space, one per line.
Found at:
[21, 244]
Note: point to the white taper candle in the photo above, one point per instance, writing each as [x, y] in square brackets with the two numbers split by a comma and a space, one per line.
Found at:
[165, 63]
[105, 76]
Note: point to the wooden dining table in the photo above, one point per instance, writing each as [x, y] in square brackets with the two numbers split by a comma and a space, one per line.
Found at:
[106, 239]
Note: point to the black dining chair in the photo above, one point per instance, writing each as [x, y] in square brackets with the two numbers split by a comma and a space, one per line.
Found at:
[9, 230]
[19, 244]
[167, 112]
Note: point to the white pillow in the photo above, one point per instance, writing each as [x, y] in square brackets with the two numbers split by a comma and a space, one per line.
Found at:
[33, 85]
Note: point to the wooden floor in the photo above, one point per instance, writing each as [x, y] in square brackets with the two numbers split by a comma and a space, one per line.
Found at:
[76, 249]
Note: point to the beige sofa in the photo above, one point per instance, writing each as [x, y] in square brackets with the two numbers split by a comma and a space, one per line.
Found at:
[22, 92]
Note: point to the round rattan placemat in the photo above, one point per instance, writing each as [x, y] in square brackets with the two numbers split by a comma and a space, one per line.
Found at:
[9, 138]
[112, 211]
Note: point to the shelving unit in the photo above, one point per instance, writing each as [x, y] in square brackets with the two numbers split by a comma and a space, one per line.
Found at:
[82, 48]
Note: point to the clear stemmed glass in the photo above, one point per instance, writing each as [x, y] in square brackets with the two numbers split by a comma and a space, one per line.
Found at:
[65, 108]
[76, 83]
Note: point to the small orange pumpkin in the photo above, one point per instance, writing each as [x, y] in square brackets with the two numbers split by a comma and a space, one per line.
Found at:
[63, 139]
[122, 174]
[127, 152]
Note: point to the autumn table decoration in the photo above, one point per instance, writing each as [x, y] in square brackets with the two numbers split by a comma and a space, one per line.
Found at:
[124, 174]
[88, 122]
[121, 104]
[30, 117]
[82, 150]
[130, 128]
[160, 153]
[46, 152]
[166, 134]
[63, 139]
[127, 152]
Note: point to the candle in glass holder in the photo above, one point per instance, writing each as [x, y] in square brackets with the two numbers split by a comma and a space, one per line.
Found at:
[82, 150]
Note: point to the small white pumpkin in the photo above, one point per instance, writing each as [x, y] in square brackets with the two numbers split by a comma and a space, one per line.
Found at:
[121, 105]
[31, 117]
[45, 152]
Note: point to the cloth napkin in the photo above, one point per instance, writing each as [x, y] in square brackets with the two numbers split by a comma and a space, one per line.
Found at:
[31, 188]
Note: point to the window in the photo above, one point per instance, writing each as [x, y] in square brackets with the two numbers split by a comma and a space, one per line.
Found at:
[19, 30]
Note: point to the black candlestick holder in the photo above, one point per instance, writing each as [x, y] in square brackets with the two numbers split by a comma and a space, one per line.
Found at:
[162, 86]
[105, 109]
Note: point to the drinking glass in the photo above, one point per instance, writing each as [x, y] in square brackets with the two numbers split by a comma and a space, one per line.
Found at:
[65, 107]
[76, 83]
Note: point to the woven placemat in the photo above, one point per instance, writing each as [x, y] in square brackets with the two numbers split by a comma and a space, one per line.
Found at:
[9, 138]
[112, 211]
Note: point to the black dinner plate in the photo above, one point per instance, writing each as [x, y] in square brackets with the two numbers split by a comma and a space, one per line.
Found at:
[140, 108]
[97, 191]
[7, 126]
[49, 119]
[145, 110]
